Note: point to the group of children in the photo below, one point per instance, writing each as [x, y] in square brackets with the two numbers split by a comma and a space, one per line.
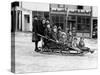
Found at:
[59, 37]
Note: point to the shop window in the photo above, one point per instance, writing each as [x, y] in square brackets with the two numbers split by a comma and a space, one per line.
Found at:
[61, 25]
[78, 26]
[83, 20]
[46, 15]
[83, 24]
[79, 19]
[61, 19]
[57, 18]
[72, 17]
[34, 13]
[87, 20]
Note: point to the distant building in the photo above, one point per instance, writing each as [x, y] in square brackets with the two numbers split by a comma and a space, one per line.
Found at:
[78, 19]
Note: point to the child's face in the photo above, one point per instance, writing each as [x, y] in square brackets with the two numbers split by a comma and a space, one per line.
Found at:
[70, 33]
[47, 21]
[55, 29]
[48, 26]
[75, 40]
[35, 18]
[43, 21]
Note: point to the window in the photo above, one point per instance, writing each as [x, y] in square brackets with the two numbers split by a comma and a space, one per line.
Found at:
[79, 19]
[83, 20]
[61, 19]
[87, 20]
[46, 15]
[58, 19]
[83, 24]
[71, 17]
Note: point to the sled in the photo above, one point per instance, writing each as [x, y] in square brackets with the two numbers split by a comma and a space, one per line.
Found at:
[61, 48]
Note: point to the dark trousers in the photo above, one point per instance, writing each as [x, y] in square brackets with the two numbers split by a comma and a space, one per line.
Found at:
[36, 45]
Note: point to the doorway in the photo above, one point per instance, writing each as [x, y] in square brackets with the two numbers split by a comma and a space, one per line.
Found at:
[27, 22]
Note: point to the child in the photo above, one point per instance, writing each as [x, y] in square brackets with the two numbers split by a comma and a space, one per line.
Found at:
[47, 33]
[54, 33]
[69, 38]
[82, 45]
[75, 45]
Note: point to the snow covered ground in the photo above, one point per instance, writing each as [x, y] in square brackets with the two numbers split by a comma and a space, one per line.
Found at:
[27, 60]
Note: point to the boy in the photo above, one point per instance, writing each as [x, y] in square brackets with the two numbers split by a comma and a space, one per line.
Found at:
[82, 45]
[47, 34]
[75, 45]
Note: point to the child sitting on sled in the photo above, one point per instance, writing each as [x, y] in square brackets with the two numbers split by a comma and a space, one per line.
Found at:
[82, 46]
[47, 33]
[75, 45]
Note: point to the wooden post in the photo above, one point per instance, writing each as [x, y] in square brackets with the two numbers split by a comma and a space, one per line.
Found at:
[50, 13]
[16, 20]
[66, 18]
[91, 23]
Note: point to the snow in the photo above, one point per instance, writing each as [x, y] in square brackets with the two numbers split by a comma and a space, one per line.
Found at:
[27, 60]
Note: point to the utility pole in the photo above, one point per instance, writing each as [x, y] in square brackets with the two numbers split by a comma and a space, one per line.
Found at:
[66, 18]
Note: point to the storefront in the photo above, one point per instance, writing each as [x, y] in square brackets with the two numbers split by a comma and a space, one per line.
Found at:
[58, 15]
[80, 21]
[77, 19]
[41, 14]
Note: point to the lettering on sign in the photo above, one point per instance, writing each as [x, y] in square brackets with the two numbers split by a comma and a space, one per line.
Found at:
[58, 9]
[76, 11]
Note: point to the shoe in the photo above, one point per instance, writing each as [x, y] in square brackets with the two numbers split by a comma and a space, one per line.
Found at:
[92, 52]
[37, 50]
[81, 52]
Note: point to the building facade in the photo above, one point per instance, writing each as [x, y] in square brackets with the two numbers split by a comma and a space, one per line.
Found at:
[71, 17]
[78, 19]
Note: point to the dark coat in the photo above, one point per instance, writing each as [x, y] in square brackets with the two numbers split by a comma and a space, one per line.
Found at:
[36, 26]
[81, 44]
[37, 29]
[54, 36]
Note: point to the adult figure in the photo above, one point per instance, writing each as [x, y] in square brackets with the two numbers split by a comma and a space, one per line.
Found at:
[37, 29]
